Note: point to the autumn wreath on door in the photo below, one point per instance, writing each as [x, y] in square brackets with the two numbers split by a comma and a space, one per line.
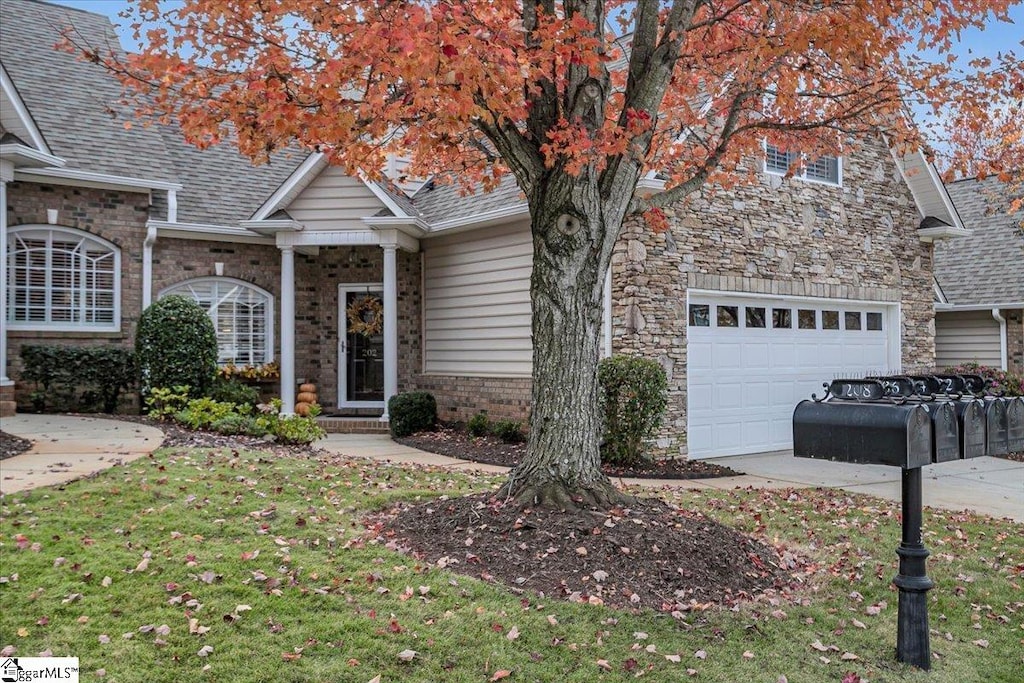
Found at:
[365, 316]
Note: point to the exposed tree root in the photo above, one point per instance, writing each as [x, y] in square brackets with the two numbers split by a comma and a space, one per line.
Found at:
[601, 495]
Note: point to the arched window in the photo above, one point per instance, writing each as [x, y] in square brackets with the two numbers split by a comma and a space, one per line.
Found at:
[62, 279]
[242, 314]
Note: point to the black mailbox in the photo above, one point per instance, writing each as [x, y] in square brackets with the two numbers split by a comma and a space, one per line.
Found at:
[996, 428]
[1015, 425]
[970, 411]
[946, 426]
[858, 425]
[945, 432]
[970, 415]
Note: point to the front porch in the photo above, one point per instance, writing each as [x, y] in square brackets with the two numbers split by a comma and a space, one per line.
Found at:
[341, 303]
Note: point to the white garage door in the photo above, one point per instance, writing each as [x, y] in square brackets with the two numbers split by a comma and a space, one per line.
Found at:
[751, 360]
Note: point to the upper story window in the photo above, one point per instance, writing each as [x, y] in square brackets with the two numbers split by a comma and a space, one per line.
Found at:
[242, 314]
[62, 279]
[826, 169]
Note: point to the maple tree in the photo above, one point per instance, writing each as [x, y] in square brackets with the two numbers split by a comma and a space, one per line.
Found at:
[579, 100]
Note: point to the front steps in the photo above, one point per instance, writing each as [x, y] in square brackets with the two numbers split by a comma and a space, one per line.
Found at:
[352, 425]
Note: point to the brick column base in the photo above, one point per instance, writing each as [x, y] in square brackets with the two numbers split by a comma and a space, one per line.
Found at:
[7, 404]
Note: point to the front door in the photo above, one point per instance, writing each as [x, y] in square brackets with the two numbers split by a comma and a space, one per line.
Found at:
[361, 346]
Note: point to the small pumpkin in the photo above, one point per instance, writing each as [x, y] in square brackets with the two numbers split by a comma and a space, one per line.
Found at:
[306, 397]
[308, 388]
[302, 408]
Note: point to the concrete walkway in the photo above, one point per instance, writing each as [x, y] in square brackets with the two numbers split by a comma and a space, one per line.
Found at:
[66, 448]
[990, 486]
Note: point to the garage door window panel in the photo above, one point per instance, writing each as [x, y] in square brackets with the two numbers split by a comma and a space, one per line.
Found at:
[700, 315]
[782, 318]
[830, 320]
[853, 322]
[728, 316]
[807, 319]
[874, 322]
[755, 316]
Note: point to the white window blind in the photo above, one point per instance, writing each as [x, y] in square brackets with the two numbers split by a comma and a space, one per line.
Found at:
[242, 315]
[62, 279]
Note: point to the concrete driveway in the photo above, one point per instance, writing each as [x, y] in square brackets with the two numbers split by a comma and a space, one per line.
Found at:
[992, 486]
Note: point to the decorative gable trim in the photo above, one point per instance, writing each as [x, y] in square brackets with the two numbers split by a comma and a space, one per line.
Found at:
[928, 191]
[11, 94]
[307, 171]
[292, 187]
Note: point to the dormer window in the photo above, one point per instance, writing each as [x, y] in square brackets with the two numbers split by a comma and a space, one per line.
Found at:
[825, 169]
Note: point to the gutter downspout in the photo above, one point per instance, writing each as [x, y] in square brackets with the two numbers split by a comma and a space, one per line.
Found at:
[147, 249]
[147, 266]
[1003, 355]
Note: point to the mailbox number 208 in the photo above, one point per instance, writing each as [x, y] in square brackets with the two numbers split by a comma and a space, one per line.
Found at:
[857, 390]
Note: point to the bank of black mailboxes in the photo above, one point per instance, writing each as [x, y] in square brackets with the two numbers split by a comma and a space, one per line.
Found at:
[907, 421]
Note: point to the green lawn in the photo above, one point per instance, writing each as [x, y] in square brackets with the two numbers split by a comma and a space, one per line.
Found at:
[265, 561]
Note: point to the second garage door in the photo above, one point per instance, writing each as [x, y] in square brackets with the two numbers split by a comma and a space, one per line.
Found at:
[750, 360]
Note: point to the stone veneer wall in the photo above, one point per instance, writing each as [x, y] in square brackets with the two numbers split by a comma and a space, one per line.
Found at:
[115, 215]
[774, 236]
[1015, 341]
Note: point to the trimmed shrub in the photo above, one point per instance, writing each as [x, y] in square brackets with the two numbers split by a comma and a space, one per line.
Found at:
[176, 345]
[166, 402]
[634, 395]
[411, 412]
[1000, 381]
[478, 425]
[233, 391]
[78, 378]
[508, 431]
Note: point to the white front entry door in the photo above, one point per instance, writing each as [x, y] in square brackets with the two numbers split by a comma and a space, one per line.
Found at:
[361, 346]
[750, 360]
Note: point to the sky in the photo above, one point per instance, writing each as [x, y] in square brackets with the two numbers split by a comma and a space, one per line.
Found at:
[996, 37]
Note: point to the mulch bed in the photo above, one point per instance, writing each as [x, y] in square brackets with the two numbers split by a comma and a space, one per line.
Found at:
[11, 445]
[456, 443]
[648, 556]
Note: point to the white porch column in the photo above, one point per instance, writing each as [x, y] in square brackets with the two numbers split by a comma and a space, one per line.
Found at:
[390, 324]
[288, 330]
[6, 174]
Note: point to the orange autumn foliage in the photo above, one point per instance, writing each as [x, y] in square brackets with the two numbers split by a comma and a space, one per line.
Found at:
[474, 89]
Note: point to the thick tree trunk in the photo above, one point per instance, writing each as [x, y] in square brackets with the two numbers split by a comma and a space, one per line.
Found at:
[571, 252]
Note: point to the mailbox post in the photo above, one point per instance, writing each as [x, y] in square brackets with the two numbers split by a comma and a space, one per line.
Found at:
[912, 638]
[908, 422]
[886, 423]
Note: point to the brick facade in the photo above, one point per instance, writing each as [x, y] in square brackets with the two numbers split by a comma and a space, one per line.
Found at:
[774, 236]
[114, 215]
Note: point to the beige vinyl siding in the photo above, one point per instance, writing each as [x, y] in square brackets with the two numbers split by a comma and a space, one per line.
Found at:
[334, 201]
[964, 337]
[476, 300]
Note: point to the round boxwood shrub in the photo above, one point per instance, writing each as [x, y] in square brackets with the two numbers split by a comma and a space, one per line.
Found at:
[176, 345]
[634, 393]
[411, 412]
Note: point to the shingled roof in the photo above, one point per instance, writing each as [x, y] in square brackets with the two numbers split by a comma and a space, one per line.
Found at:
[437, 203]
[986, 267]
[74, 105]
[74, 102]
